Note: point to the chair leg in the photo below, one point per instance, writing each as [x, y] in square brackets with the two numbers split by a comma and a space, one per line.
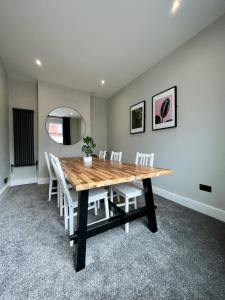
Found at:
[127, 210]
[50, 190]
[118, 198]
[71, 223]
[135, 202]
[96, 209]
[59, 192]
[66, 216]
[111, 199]
[58, 197]
[98, 204]
[106, 202]
[61, 202]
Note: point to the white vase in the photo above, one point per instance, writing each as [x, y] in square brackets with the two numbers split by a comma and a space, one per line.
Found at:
[87, 159]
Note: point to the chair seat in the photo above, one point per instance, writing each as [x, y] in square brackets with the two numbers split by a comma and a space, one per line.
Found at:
[128, 190]
[94, 195]
[97, 194]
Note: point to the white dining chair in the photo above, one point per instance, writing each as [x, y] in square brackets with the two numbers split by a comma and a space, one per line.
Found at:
[71, 200]
[52, 190]
[116, 156]
[102, 154]
[130, 191]
[63, 210]
[60, 194]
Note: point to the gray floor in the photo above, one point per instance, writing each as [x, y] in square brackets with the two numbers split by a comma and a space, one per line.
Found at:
[184, 260]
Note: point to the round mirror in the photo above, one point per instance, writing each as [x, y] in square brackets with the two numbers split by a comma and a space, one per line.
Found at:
[65, 125]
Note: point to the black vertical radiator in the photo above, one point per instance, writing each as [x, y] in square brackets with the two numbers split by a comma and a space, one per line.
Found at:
[23, 132]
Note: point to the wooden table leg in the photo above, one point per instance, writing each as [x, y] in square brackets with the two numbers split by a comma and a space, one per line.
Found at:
[80, 246]
[149, 201]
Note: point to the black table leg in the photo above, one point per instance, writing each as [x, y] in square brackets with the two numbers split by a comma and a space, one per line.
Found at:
[149, 201]
[80, 247]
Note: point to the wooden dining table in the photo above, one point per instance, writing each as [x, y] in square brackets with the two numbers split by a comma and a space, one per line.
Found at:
[102, 173]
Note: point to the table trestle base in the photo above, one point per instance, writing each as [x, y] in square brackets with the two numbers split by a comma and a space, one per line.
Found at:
[87, 231]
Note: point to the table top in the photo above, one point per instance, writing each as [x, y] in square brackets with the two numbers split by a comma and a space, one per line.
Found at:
[105, 172]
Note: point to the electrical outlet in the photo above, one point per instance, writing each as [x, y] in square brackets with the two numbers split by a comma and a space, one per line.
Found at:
[205, 188]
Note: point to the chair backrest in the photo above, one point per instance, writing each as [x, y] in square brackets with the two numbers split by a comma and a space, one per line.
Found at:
[116, 156]
[102, 154]
[52, 159]
[144, 159]
[51, 156]
[60, 176]
[49, 164]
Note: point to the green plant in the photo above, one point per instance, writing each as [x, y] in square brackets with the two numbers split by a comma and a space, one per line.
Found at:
[88, 146]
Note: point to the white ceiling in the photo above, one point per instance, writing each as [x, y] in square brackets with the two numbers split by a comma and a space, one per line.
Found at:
[81, 42]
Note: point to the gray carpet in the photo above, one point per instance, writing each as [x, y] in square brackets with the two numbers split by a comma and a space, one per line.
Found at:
[185, 259]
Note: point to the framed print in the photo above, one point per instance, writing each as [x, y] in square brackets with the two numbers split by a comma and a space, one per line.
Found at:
[137, 117]
[164, 109]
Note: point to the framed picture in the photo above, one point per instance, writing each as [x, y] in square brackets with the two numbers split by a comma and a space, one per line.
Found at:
[137, 117]
[164, 109]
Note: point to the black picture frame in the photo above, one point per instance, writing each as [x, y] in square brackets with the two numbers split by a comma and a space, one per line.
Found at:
[135, 120]
[168, 109]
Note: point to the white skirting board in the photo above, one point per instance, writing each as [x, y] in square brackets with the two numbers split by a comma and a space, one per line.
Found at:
[3, 190]
[43, 180]
[23, 181]
[211, 211]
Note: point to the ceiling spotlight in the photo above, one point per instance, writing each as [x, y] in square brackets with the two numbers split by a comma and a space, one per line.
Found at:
[175, 6]
[38, 62]
[102, 82]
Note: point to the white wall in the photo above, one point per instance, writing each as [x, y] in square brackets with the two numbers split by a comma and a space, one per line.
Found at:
[195, 150]
[22, 94]
[51, 96]
[4, 127]
[99, 123]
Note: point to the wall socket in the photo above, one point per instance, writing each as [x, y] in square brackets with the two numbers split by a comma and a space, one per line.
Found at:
[205, 188]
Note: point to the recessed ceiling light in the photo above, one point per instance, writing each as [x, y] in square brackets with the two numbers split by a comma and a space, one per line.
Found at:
[38, 62]
[175, 6]
[102, 82]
